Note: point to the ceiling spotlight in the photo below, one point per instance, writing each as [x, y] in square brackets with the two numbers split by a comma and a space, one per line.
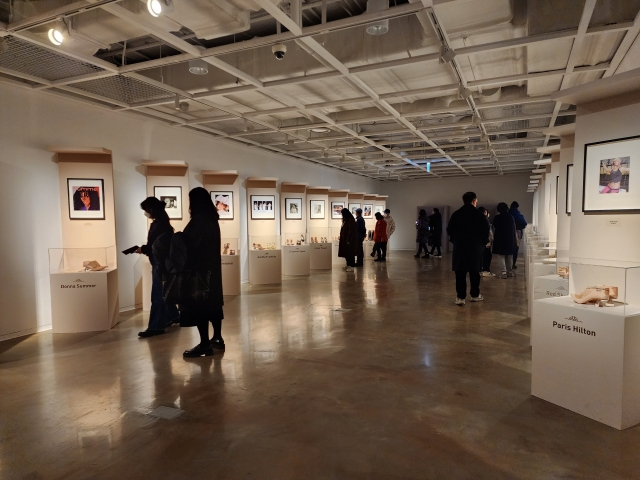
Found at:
[159, 7]
[197, 66]
[56, 33]
[381, 27]
[320, 130]
[4, 46]
[446, 54]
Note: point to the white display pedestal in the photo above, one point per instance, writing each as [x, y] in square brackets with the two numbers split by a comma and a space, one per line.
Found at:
[296, 260]
[231, 277]
[587, 359]
[537, 269]
[84, 301]
[265, 267]
[550, 286]
[335, 259]
[321, 256]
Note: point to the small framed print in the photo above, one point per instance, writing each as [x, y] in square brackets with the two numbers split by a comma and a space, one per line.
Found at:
[609, 178]
[569, 190]
[262, 207]
[367, 211]
[336, 209]
[353, 207]
[172, 198]
[224, 204]
[86, 198]
[316, 210]
[293, 209]
[378, 209]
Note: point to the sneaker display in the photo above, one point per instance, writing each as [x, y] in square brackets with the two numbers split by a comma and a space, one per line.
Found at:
[459, 301]
[479, 298]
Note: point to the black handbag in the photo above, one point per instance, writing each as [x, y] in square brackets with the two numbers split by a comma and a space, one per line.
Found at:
[188, 286]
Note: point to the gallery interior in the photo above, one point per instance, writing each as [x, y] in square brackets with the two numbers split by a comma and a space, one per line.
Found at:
[293, 115]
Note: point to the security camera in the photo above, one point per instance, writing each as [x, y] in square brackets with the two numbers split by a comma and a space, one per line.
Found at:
[279, 51]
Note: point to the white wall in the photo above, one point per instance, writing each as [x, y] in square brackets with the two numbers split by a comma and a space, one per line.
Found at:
[404, 197]
[29, 189]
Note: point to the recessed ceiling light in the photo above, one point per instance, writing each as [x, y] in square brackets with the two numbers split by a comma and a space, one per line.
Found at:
[159, 7]
[320, 130]
[198, 66]
[381, 27]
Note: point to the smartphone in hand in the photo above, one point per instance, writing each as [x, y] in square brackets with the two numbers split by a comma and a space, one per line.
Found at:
[131, 250]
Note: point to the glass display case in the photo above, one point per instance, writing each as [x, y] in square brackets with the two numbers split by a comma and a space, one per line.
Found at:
[264, 242]
[293, 239]
[335, 234]
[229, 246]
[610, 286]
[69, 260]
[319, 235]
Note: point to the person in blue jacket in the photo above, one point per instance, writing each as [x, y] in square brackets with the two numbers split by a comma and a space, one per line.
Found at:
[521, 224]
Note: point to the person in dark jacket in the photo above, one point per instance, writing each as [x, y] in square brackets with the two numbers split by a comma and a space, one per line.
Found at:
[504, 240]
[435, 224]
[469, 233]
[161, 315]
[521, 224]
[348, 243]
[361, 230]
[203, 241]
[487, 255]
[422, 234]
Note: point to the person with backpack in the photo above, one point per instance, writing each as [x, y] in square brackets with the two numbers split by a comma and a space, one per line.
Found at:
[202, 238]
[161, 315]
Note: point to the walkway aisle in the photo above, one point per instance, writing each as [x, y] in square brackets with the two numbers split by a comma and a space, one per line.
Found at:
[372, 375]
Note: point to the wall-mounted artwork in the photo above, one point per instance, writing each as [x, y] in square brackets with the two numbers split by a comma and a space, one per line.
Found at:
[367, 211]
[293, 209]
[262, 207]
[353, 207]
[569, 190]
[172, 198]
[224, 204]
[378, 209]
[609, 169]
[86, 198]
[316, 209]
[336, 209]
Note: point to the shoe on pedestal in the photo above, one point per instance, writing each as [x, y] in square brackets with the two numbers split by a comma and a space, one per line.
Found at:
[595, 294]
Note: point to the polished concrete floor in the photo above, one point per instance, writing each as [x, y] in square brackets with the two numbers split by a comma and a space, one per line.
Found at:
[372, 375]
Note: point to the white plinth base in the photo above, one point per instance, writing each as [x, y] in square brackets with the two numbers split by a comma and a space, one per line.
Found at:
[265, 267]
[587, 360]
[84, 301]
[231, 277]
[335, 259]
[321, 254]
[296, 260]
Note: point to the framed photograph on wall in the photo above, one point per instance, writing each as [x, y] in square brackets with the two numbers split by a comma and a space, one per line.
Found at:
[609, 183]
[367, 211]
[336, 209]
[378, 209]
[263, 207]
[353, 207]
[316, 209]
[224, 204]
[172, 198]
[86, 198]
[293, 209]
[569, 190]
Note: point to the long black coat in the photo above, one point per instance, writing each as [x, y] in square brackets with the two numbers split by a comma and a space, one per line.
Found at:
[435, 222]
[361, 228]
[203, 235]
[158, 227]
[504, 237]
[469, 232]
[422, 230]
[348, 246]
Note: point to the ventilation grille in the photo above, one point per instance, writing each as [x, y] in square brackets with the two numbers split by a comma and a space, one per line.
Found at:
[123, 89]
[30, 59]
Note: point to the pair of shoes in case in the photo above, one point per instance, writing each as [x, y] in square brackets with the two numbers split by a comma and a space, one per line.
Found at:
[597, 294]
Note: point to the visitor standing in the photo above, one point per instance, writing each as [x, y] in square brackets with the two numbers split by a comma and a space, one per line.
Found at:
[487, 255]
[435, 224]
[422, 234]
[521, 224]
[202, 237]
[348, 243]
[161, 315]
[361, 230]
[504, 240]
[469, 232]
[380, 238]
[391, 223]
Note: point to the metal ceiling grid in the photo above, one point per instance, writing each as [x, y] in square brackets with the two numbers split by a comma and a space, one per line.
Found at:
[123, 89]
[30, 59]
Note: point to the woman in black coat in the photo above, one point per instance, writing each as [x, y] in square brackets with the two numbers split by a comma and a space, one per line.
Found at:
[203, 246]
[422, 234]
[435, 223]
[504, 239]
[348, 243]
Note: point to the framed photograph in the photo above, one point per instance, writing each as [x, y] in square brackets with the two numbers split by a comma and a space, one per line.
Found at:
[172, 198]
[293, 209]
[316, 209]
[353, 207]
[263, 207]
[608, 180]
[336, 209]
[569, 188]
[224, 204]
[86, 198]
[367, 211]
[378, 209]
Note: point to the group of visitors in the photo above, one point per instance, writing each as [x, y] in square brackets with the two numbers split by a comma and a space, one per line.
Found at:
[429, 232]
[186, 267]
[354, 231]
[475, 241]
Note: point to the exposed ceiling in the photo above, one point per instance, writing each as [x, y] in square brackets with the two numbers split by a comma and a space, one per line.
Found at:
[459, 87]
